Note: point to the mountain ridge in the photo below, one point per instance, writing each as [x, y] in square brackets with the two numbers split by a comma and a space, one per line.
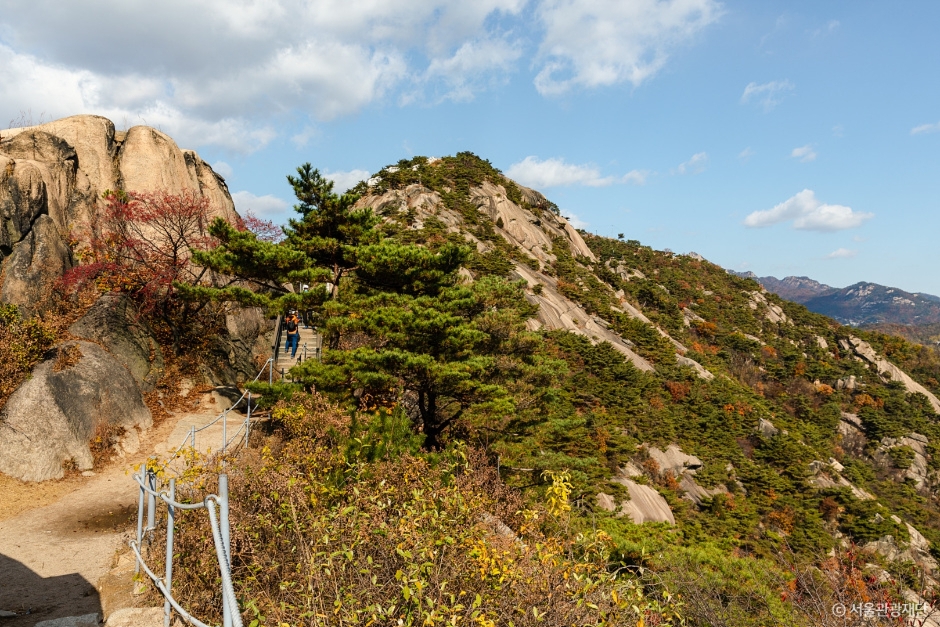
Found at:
[861, 304]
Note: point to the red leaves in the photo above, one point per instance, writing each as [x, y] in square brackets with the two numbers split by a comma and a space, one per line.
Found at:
[264, 230]
[142, 244]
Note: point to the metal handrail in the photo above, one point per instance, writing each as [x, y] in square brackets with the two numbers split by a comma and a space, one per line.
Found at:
[219, 522]
[221, 536]
[278, 330]
[191, 436]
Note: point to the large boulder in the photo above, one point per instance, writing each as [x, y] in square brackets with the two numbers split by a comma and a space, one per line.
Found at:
[887, 369]
[176, 170]
[60, 170]
[145, 147]
[80, 393]
[114, 323]
[92, 138]
[34, 265]
[645, 504]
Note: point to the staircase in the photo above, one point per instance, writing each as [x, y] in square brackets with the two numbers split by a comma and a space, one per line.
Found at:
[308, 347]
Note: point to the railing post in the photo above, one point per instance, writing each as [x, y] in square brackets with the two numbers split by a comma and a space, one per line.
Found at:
[151, 501]
[140, 522]
[270, 372]
[248, 420]
[226, 542]
[192, 437]
[224, 435]
[168, 580]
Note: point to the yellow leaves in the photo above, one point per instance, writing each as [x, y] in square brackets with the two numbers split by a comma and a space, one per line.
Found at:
[559, 492]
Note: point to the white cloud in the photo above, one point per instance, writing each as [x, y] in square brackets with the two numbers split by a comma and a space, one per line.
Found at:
[746, 154]
[926, 128]
[303, 138]
[471, 67]
[342, 181]
[605, 42]
[768, 94]
[219, 72]
[695, 165]
[637, 177]
[809, 214]
[842, 253]
[268, 206]
[539, 174]
[222, 168]
[804, 153]
[577, 222]
[227, 73]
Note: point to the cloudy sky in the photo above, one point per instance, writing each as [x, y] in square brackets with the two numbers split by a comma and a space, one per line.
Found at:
[782, 136]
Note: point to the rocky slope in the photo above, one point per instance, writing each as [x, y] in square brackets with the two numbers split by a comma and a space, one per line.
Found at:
[533, 231]
[743, 390]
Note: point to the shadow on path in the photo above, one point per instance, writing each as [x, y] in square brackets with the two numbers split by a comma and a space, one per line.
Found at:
[35, 598]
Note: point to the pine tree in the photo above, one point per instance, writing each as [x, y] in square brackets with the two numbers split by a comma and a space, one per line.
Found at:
[319, 250]
[414, 335]
[443, 355]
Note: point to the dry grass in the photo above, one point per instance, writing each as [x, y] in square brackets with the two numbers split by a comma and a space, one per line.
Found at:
[66, 357]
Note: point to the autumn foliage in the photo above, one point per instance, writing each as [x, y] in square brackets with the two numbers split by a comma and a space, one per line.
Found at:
[142, 244]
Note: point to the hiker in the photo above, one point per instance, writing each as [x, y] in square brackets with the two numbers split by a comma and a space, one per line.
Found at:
[292, 326]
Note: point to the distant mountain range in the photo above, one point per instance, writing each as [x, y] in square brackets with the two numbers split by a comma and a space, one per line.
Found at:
[862, 304]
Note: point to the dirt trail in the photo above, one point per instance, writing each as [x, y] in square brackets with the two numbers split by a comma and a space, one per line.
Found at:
[64, 536]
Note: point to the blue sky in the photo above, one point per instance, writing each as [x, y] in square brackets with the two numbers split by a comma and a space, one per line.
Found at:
[779, 137]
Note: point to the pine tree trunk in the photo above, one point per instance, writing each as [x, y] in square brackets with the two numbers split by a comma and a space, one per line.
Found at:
[427, 406]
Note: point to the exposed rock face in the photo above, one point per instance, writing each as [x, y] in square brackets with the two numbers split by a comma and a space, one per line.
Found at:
[645, 504]
[917, 550]
[852, 434]
[144, 146]
[683, 467]
[113, 322]
[558, 312]
[52, 417]
[60, 169]
[36, 262]
[885, 367]
[766, 428]
[235, 353]
[826, 475]
[534, 234]
[523, 228]
[699, 369]
[673, 460]
[773, 313]
[918, 471]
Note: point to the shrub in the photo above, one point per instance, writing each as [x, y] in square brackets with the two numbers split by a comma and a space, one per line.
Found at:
[22, 345]
[322, 537]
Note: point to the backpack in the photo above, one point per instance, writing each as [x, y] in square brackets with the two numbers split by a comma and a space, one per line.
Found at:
[291, 325]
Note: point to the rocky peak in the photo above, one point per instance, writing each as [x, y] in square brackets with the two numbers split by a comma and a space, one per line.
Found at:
[60, 170]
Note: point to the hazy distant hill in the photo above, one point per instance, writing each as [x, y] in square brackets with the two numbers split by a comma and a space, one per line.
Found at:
[861, 304]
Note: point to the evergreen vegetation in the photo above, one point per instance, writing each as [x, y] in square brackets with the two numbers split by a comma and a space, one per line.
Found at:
[454, 360]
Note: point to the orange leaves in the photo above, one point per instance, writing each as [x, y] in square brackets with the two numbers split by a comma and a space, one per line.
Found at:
[865, 400]
[740, 408]
[768, 352]
[678, 389]
[705, 349]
